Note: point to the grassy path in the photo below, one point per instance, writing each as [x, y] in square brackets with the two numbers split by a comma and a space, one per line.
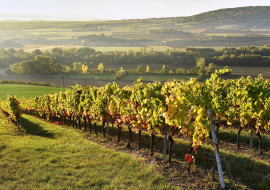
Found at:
[45, 156]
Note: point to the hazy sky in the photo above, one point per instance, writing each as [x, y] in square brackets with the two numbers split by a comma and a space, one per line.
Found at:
[117, 9]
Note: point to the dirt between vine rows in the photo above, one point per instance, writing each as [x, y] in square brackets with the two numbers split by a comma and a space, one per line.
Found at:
[230, 144]
[177, 173]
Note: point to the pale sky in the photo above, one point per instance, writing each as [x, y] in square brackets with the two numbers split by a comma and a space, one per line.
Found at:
[116, 9]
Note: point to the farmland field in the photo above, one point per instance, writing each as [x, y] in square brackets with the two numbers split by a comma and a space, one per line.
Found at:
[30, 48]
[58, 80]
[26, 91]
[100, 76]
[251, 71]
[159, 78]
[228, 27]
[48, 34]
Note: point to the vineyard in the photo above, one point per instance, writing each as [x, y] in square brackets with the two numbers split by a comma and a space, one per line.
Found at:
[187, 108]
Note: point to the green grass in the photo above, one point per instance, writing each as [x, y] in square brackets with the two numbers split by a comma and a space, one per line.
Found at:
[158, 78]
[26, 91]
[46, 156]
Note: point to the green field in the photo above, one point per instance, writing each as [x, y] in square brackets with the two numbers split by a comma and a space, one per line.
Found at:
[159, 78]
[46, 156]
[26, 91]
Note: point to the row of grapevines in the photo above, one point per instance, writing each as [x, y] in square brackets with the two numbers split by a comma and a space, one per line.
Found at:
[12, 108]
[152, 107]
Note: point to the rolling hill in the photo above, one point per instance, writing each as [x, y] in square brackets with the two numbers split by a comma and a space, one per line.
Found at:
[258, 15]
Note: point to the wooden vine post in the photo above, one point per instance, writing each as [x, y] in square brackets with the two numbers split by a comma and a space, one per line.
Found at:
[250, 143]
[108, 127]
[165, 144]
[152, 144]
[130, 136]
[221, 178]
[165, 136]
[17, 119]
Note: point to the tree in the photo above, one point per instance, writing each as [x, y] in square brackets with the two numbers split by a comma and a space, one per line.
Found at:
[164, 69]
[84, 69]
[147, 69]
[16, 68]
[57, 51]
[29, 67]
[130, 53]
[91, 65]
[140, 69]
[137, 54]
[36, 52]
[9, 71]
[101, 68]
[44, 64]
[67, 69]
[82, 43]
[77, 67]
[183, 71]
[58, 68]
[211, 68]
[201, 65]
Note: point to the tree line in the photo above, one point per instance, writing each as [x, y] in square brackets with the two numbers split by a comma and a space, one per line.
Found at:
[85, 54]
[231, 56]
[61, 59]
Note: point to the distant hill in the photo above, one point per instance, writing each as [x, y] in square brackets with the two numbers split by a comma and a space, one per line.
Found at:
[257, 15]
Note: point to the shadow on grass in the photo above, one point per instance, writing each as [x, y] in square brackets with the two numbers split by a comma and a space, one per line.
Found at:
[34, 129]
[244, 138]
[243, 169]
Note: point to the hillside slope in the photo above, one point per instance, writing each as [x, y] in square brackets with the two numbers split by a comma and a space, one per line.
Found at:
[258, 15]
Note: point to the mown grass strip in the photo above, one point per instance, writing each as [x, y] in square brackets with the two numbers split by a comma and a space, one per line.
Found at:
[46, 156]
